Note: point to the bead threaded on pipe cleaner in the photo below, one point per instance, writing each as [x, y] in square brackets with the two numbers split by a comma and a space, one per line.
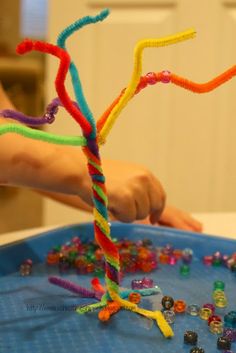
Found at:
[178, 81]
[28, 45]
[137, 70]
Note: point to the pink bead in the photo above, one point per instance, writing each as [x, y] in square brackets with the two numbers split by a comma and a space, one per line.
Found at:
[209, 306]
[172, 260]
[165, 76]
[151, 78]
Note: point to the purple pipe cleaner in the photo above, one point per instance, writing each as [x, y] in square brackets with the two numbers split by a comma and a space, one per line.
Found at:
[47, 118]
[72, 287]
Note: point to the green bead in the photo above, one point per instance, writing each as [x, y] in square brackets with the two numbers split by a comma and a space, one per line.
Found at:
[98, 272]
[184, 270]
[73, 254]
[57, 248]
[216, 262]
[219, 285]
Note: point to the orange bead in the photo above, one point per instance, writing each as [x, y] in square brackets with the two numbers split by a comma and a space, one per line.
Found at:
[104, 315]
[164, 259]
[135, 297]
[177, 253]
[98, 254]
[90, 267]
[179, 306]
[53, 258]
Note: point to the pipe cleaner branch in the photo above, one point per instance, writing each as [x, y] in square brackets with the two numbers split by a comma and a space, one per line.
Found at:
[28, 45]
[152, 78]
[141, 45]
[77, 86]
[43, 136]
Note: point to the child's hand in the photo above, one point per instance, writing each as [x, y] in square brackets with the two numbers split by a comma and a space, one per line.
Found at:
[133, 192]
[173, 217]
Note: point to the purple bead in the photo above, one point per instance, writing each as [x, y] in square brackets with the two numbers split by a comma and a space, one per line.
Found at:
[187, 259]
[210, 306]
[217, 256]
[166, 76]
[225, 259]
[230, 334]
[147, 282]
[168, 249]
[137, 284]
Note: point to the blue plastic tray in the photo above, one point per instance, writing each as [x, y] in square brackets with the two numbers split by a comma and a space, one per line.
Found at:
[36, 316]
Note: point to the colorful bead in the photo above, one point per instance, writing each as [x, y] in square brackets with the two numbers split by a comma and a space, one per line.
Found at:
[223, 343]
[233, 267]
[164, 259]
[172, 260]
[230, 319]
[230, 334]
[151, 78]
[25, 269]
[193, 309]
[137, 284]
[205, 313]
[210, 306]
[219, 285]
[53, 258]
[147, 282]
[187, 256]
[213, 318]
[218, 294]
[197, 350]
[216, 327]
[179, 306]
[169, 316]
[167, 302]
[165, 76]
[207, 260]
[135, 297]
[221, 302]
[190, 337]
[184, 270]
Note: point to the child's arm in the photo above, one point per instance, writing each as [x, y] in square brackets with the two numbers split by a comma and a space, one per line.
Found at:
[133, 192]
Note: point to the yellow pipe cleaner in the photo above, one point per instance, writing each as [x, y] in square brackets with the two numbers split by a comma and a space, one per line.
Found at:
[137, 71]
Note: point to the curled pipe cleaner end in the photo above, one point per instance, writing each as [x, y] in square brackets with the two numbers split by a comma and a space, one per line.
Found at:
[25, 46]
[103, 14]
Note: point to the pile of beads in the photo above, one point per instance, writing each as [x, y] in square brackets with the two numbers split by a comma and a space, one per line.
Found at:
[26, 267]
[139, 256]
[218, 259]
[167, 255]
[88, 257]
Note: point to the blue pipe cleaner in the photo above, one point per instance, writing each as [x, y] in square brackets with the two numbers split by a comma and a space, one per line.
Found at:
[77, 86]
